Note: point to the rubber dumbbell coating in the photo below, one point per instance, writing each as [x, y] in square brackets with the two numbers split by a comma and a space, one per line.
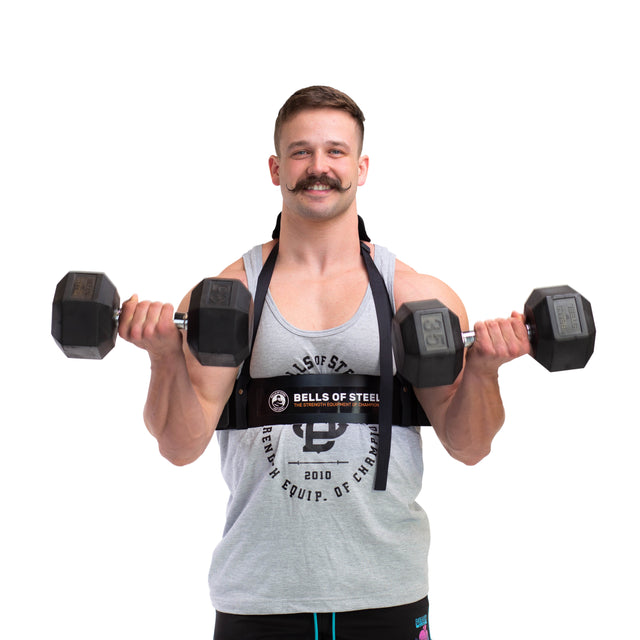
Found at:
[429, 347]
[85, 313]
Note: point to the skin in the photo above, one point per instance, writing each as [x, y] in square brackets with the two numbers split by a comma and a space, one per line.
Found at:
[318, 283]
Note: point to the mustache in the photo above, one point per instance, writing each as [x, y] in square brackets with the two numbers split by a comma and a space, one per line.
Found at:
[324, 179]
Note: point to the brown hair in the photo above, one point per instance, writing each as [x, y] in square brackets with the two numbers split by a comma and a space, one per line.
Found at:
[317, 97]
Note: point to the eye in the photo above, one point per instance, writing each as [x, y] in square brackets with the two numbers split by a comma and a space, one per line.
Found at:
[300, 153]
[336, 152]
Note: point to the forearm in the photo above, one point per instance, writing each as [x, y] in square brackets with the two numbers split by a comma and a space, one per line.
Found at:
[173, 412]
[473, 416]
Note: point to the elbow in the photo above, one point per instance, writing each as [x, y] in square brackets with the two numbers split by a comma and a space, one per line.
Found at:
[475, 446]
[470, 457]
[474, 458]
[178, 462]
[179, 450]
[179, 457]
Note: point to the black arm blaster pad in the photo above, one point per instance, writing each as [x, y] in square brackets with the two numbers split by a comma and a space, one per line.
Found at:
[318, 398]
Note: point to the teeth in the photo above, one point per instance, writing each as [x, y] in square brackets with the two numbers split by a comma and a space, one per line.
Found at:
[319, 187]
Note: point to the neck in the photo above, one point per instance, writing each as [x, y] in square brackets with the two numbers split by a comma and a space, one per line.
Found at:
[319, 244]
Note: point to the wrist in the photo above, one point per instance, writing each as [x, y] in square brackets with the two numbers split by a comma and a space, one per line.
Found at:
[167, 358]
[481, 367]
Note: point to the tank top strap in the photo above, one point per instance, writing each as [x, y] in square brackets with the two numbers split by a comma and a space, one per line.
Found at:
[385, 261]
[253, 265]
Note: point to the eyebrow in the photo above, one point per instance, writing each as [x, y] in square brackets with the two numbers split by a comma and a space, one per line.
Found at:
[305, 143]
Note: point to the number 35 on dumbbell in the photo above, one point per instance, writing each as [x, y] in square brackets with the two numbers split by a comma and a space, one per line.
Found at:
[85, 314]
[429, 345]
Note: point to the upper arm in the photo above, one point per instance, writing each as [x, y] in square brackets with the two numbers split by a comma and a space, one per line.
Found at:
[412, 286]
[213, 385]
[409, 285]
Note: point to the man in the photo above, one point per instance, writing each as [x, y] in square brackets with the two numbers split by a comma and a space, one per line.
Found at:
[323, 535]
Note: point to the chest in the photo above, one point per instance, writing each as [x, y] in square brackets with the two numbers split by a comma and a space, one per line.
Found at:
[284, 348]
[319, 304]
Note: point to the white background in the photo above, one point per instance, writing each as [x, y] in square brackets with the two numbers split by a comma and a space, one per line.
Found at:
[134, 139]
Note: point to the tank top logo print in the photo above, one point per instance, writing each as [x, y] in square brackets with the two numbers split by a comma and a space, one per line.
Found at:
[319, 364]
[310, 470]
[317, 474]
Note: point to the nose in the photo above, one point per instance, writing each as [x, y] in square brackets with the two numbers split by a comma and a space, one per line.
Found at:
[317, 165]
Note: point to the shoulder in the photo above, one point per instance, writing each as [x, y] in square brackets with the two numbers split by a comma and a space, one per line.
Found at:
[409, 286]
[234, 271]
[237, 269]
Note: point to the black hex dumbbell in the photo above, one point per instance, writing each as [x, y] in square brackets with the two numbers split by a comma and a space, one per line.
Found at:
[429, 345]
[86, 308]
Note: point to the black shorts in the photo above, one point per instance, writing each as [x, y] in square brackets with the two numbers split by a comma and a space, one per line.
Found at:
[406, 622]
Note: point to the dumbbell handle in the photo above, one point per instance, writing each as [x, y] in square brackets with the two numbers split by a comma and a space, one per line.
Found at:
[179, 319]
[469, 337]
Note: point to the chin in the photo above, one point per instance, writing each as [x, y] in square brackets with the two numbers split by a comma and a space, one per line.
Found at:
[321, 216]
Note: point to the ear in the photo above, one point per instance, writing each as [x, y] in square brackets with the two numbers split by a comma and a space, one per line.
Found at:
[363, 170]
[274, 169]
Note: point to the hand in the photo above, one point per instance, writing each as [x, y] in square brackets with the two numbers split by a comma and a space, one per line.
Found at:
[497, 342]
[150, 326]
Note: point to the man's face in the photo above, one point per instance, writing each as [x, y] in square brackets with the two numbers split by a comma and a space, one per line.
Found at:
[319, 166]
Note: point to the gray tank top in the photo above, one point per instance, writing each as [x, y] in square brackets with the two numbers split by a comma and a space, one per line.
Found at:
[305, 531]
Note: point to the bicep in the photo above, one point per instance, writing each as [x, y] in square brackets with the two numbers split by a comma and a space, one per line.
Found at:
[411, 286]
[213, 385]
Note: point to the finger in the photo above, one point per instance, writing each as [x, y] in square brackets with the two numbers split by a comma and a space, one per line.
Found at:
[501, 338]
[488, 339]
[482, 339]
[165, 320]
[138, 321]
[126, 315]
[520, 326]
[150, 324]
[515, 335]
[520, 332]
[510, 328]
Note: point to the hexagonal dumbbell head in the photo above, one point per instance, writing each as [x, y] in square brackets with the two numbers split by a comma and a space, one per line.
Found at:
[220, 322]
[83, 320]
[564, 331]
[427, 343]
